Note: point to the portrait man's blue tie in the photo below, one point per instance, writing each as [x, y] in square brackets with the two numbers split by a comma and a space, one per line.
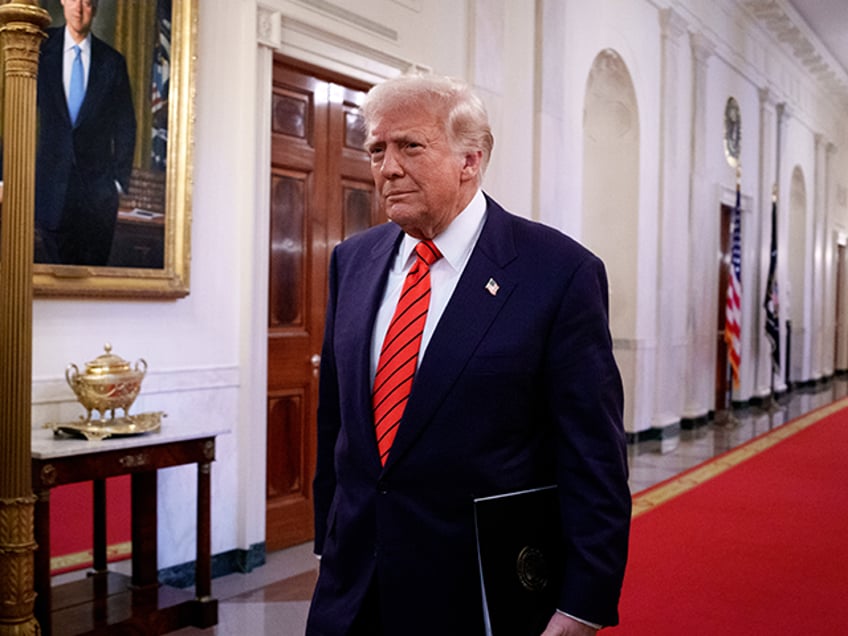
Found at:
[76, 92]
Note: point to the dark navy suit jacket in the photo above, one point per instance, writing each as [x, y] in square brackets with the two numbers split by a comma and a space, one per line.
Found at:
[515, 390]
[98, 151]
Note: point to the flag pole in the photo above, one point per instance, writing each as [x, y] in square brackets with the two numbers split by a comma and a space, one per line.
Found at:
[730, 419]
[772, 300]
[772, 405]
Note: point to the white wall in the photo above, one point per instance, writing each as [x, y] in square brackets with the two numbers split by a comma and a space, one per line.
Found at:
[191, 345]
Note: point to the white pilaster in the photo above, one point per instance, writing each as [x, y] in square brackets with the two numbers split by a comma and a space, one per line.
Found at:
[701, 319]
[672, 240]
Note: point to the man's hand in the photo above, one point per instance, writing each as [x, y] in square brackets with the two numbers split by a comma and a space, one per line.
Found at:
[562, 625]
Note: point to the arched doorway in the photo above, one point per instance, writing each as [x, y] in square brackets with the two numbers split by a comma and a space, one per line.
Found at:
[611, 195]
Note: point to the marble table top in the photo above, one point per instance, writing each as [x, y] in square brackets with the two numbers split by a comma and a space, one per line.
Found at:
[46, 444]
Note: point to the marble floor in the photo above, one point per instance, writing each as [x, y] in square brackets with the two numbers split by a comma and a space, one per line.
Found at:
[654, 461]
[274, 598]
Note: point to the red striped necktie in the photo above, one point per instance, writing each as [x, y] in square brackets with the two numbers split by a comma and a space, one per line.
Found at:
[399, 355]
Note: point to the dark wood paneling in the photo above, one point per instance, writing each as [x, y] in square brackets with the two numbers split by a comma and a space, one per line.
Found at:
[321, 192]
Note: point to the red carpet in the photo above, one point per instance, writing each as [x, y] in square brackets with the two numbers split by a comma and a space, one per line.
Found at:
[72, 524]
[752, 542]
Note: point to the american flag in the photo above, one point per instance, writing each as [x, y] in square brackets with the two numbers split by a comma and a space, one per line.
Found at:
[159, 85]
[733, 309]
[770, 303]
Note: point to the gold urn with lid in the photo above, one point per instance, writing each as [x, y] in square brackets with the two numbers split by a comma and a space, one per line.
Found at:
[108, 383]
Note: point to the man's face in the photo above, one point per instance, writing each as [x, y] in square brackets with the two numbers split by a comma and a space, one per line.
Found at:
[78, 17]
[421, 181]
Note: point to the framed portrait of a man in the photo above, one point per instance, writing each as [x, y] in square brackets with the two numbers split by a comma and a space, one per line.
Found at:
[115, 100]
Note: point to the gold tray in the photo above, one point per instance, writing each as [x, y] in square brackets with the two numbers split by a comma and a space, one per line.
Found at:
[96, 430]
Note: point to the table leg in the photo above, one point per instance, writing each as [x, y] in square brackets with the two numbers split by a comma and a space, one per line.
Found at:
[99, 526]
[204, 567]
[144, 541]
[42, 561]
[206, 613]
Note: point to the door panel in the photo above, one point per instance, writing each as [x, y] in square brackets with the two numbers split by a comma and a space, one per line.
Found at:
[321, 192]
[358, 202]
[285, 475]
[288, 206]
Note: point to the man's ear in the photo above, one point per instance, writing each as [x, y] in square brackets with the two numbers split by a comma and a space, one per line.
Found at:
[473, 161]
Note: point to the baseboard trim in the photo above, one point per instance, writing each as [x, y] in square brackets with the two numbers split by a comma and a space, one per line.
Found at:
[692, 423]
[654, 434]
[239, 560]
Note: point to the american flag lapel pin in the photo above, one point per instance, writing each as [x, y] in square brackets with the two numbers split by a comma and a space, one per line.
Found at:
[492, 287]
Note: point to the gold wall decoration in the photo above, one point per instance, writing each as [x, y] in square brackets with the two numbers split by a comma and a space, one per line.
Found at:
[151, 255]
[732, 132]
[21, 24]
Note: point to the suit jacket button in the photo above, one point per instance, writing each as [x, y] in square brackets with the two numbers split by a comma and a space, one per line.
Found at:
[382, 487]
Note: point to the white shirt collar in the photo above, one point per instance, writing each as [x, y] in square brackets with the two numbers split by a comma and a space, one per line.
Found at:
[85, 45]
[457, 240]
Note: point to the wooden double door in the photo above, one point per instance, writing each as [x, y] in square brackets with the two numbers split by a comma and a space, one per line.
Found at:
[321, 193]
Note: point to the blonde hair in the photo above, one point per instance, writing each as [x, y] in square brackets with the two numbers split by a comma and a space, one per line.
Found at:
[461, 111]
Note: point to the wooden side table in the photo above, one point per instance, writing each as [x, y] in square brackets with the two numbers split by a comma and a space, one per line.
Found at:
[108, 602]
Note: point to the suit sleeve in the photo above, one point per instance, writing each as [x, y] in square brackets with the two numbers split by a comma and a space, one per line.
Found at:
[585, 398]
[329, 419]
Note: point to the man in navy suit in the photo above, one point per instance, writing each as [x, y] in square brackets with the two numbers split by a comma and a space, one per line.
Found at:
[516, 387]
[81, 161]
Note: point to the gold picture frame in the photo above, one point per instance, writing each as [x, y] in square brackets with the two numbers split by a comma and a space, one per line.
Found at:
[171, 280]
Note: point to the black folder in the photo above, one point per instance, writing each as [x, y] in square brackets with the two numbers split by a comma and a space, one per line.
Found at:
[519, 547]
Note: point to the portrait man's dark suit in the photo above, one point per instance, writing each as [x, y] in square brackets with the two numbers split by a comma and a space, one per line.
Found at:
[518, 388]
[79, 166]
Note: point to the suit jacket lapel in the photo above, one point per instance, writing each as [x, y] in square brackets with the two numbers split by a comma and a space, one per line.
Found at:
[363, 301]
[466, 319]
[50, 76]
[97, 74]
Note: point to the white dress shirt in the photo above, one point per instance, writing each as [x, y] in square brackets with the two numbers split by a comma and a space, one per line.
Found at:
[455, 244]
[68, 60]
